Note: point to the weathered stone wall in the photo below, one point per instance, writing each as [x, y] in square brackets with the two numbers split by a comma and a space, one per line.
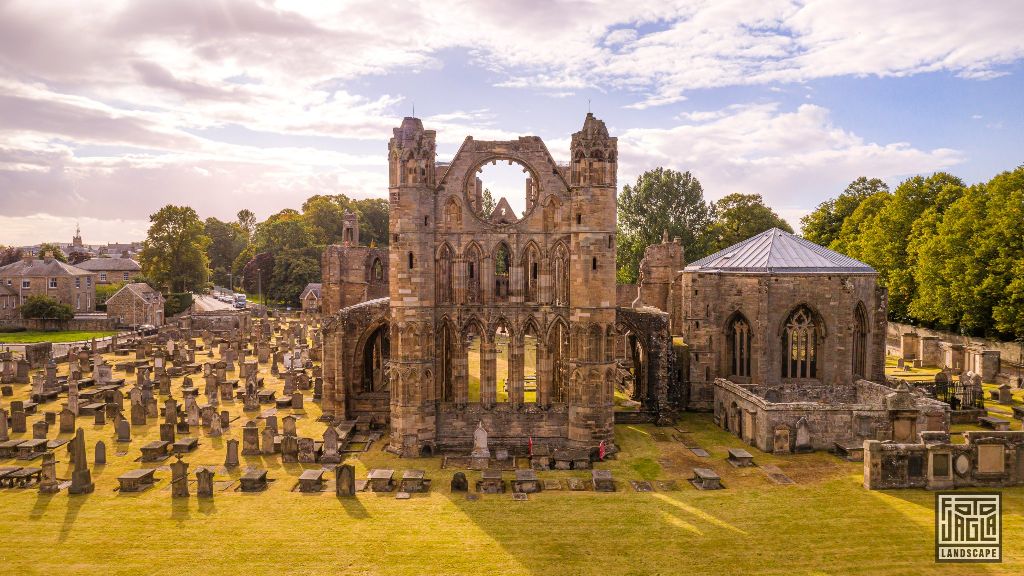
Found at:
[755, 419]
[710, 300]
[996, 361]
[352, 274]
[986, 460]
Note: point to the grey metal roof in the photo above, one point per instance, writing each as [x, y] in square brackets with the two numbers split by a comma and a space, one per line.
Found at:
[776, 251]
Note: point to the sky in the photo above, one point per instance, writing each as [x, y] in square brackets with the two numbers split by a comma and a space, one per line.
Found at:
[110, 110]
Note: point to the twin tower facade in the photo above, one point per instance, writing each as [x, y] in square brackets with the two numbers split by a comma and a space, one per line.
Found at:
[492, 316]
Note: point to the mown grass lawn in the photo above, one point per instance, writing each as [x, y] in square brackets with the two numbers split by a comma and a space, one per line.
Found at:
[826, 523]
[31, 337]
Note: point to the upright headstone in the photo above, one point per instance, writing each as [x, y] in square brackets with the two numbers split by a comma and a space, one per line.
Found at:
[331, 447]
[267, 440]
[345, 480]
[124, 431]
[73, 398]
[250, 439]
[4, 433]
[67, 421]
[40, 429]
[289, 425]
[231, 460]
[204, 482]
[49, 483]
[101, 454]
[179, 478]
[289, 449]
[81, 478]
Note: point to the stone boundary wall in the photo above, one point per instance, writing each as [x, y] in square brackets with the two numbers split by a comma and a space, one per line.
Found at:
[826, 423]
[987, 459]
[1009, 352]
[88, 324]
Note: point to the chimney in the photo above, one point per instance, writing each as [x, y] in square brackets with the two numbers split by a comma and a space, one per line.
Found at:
[26, 256]
[48, 256]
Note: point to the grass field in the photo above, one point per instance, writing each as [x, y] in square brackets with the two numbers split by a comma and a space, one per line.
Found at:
[826, 523]
[31, 337]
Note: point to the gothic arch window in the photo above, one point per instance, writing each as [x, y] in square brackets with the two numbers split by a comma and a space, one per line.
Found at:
[446, 357]
[531, 273]
[560, 265]
[502, 270]
[472, 258]
[860, 340]
[737, 337]
[377, 271]
[452, 214]
[445, 283]
[800, 336]
[558, 348]
[594, 338]
[376, 353]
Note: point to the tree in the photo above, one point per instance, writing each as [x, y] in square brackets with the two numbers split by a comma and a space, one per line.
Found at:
[884, 241]
[247, 221]
[283, 231]
[292, 271]
[487, 203]
[325, 217]
[53, 250]
[823, 225]
[9, 255]
[174, 252]
[661, 200]
[227, 241]
[40, 306]
[257, 272]
[373, 220]
[740, 216]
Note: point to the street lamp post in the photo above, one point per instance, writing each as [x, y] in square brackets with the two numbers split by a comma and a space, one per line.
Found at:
[259, 285]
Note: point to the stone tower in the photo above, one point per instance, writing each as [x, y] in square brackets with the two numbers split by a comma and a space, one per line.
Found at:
[411, 225]
[592, 282]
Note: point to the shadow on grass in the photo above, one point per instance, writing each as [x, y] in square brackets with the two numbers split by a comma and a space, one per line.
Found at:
[75, 503]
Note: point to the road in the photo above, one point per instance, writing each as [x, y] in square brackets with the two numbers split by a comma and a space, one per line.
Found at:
[206, 303]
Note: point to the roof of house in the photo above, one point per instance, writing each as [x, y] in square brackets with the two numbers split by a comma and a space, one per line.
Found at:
[110, 265]
[42, 268]
[777, 251]
[313, 288]
[139, 290]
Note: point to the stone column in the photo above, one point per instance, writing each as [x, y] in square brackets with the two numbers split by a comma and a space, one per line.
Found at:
[460, 375]
[515, 370]
[488, 371]
[544, 374]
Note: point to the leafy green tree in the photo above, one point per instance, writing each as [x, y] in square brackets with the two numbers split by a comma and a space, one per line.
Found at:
[293, 270]
[885, 241]
[247, 221]
[487, 203]
[851, 233]
[105, 291]
[285, 230]
[823, 225]
[54, 250]
[227, 241]
[373, 220]
[40, 306]
[661, 200]
[9, 255]
[740, 216]
[325, 217]
[174, 252]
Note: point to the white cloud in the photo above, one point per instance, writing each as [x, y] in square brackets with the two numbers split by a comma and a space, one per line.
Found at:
[794, 159]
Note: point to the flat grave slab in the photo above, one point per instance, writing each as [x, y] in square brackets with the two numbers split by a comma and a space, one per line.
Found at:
[706, 479]
[775, 474]
[641, 486]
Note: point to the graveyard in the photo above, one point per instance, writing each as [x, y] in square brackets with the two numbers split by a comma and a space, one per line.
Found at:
[759, 519]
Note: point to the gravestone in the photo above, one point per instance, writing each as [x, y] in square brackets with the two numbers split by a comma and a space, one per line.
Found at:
[459, 482]
[307, 454]
[297, 401]
[48, 483]
[345, 480]
[167, 432]
[124, 431]
[250, 439]
[803, 436]
[4, 432]
[330, 446]
[215, 428]
[231, 460]
[40, 429]
[289, 449]
[81, 478]
[204, 482]
[179, 478]
[100, 454]
[99, 417]
[267, 440]
[67, 421]
[18, 420]
[289, 425]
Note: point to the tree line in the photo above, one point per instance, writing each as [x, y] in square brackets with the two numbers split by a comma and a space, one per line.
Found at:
[277, 257]
[664, 200]
[951, 255]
